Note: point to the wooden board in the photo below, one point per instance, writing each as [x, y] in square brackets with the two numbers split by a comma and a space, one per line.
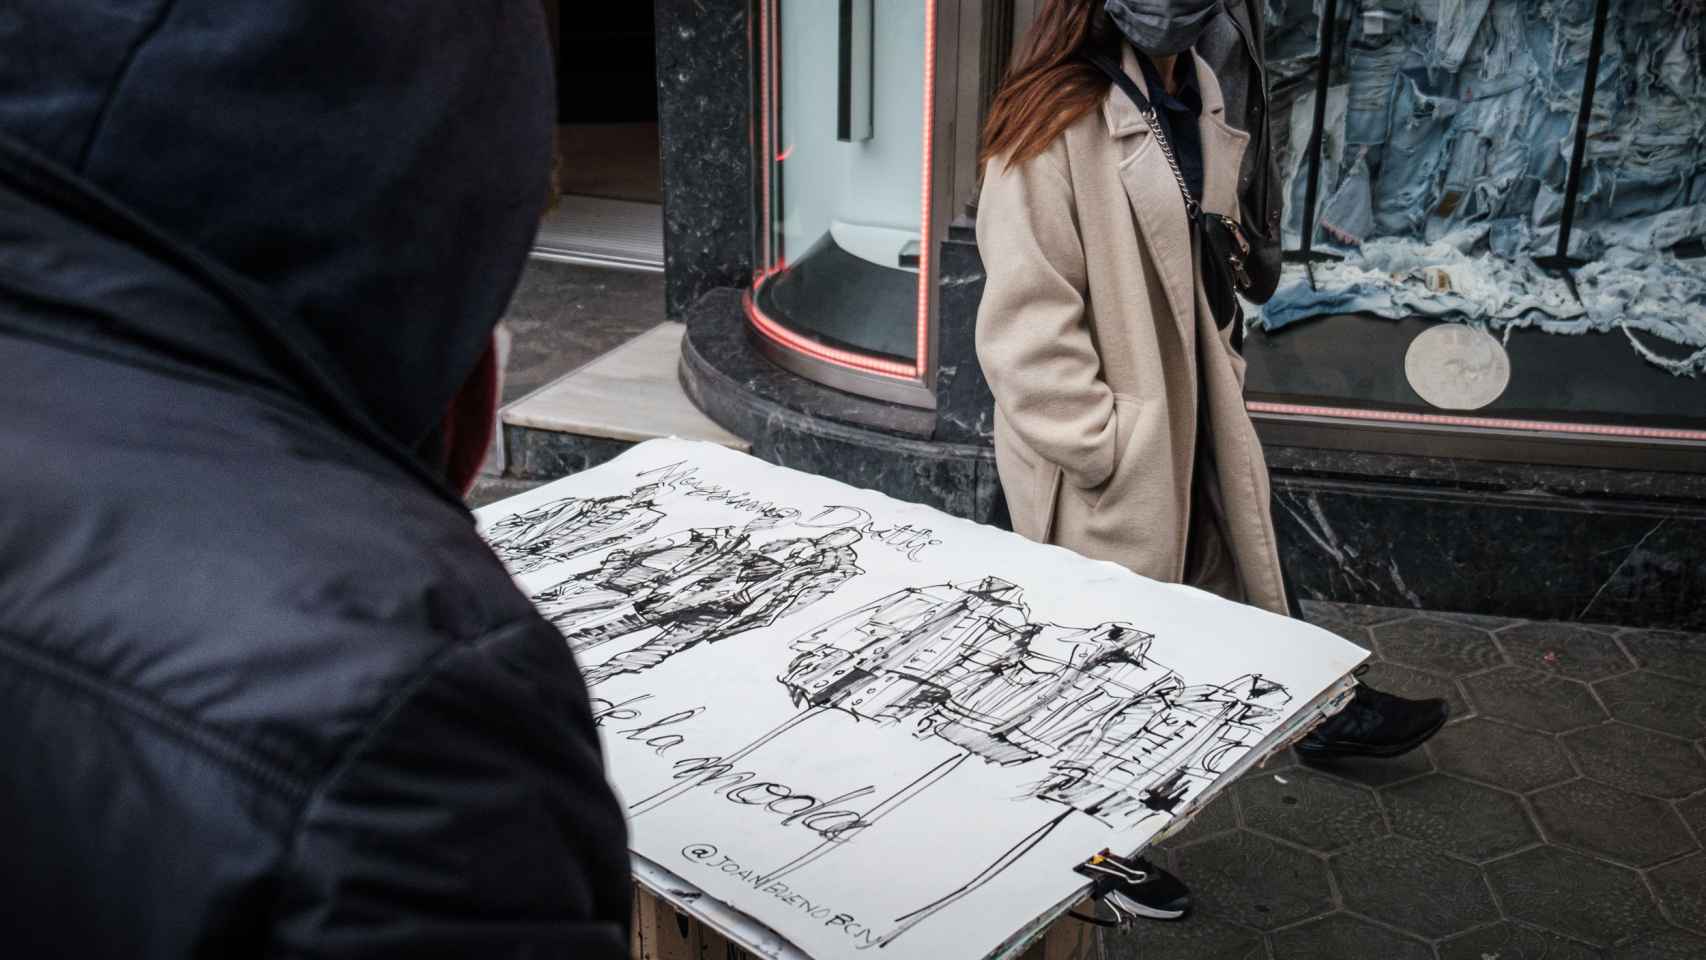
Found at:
[662, 932]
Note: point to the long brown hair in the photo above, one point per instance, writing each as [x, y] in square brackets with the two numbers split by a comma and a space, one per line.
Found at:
[1048, 86]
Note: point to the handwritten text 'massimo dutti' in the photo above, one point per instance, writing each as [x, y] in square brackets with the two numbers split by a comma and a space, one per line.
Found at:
[904, 537]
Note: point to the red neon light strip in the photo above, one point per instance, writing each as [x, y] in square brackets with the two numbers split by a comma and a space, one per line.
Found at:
[920, 363]
[1485, 423]
[818, 351]
[777, 237]
[772, 257]
[766, 43]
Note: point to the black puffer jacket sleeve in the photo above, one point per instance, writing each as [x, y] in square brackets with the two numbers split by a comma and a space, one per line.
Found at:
[472, 820]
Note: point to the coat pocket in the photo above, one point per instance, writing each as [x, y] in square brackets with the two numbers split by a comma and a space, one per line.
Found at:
[1030, 483]
[1050, 478]
[1125, 427]
[1046, 479]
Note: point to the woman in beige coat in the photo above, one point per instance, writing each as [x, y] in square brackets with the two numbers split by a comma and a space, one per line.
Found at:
[1120, 426]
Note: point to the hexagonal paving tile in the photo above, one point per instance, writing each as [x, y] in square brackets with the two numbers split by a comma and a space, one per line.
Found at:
[1246, 878]
[1568, 649]
[1693, 812]
[1417, 685]
[1193, 938]
[1309, 809]
[1412, 887]
[1513, 941]
[1215, 818]
[1681, 655]
[1666, 945]
[1275, 763]
[1574, 895]
[1501, 755]
[1682, 891]
[1359, 614]
[1531, 698]
[1657, 702]
[1475, 620]
[1374, 771]
[1459, 817]
[1612, 823]
[1341, 936]
[1638, 760]
[1437, 646]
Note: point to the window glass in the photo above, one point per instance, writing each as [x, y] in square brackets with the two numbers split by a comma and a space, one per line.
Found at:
[842, 168]
[1442, 186]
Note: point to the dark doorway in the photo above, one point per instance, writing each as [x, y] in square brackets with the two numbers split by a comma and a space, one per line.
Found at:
[607, 101]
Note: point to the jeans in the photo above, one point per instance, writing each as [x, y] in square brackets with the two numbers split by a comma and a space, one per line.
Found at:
[1628, 290]
[1450, 129]
[1372, 61]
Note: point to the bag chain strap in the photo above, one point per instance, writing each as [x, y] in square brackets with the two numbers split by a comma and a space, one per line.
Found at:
[1192, 208]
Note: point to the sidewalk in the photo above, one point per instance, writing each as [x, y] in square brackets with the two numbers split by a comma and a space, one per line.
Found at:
[1561, 813]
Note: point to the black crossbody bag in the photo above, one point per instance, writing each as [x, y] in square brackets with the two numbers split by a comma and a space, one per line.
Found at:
[1226, 253]
[1258, 209]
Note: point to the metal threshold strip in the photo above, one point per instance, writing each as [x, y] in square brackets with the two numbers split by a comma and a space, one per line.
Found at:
[595, 232]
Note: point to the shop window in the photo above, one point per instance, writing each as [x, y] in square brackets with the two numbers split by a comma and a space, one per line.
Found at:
[843, 247]
[1470, 249]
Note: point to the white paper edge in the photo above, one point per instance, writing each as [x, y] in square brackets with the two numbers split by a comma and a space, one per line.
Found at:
[731, 924]
[750, 935]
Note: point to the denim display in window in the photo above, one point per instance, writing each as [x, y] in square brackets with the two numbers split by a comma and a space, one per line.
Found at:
[1446, 151]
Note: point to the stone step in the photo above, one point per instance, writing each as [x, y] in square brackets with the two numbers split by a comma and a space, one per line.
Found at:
[626, 396]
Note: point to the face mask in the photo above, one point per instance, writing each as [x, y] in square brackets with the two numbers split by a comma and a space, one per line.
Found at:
[1162, 28]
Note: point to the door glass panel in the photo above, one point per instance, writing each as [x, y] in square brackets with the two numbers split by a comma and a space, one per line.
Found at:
[843, 188]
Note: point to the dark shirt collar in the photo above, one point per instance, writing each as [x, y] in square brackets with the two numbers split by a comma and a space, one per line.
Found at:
[1189, 98]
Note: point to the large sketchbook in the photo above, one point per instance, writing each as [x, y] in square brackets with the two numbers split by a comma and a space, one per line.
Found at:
[843, 725]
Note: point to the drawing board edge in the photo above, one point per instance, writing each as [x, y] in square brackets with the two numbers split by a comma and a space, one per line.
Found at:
[732, 924]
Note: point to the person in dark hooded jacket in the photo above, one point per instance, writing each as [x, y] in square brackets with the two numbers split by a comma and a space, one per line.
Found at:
[264, 691]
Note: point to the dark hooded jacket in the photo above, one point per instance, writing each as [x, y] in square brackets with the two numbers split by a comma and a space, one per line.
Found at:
[263, 689]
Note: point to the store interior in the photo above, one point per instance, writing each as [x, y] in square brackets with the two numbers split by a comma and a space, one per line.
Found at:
[607, 172]
[1450, 173]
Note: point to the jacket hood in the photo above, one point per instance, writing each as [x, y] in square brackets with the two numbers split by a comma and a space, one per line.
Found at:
[372, 171]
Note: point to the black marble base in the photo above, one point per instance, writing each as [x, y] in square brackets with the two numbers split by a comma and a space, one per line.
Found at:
[533, 454]
[720, 341]
[1544, 543]
[796, 423]
[1550, 482]
[965, 410]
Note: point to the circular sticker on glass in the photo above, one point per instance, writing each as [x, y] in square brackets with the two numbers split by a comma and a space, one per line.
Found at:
[1455, 367]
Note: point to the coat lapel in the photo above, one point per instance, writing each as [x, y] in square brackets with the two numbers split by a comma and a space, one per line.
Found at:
[1154, 193]
[1154, 197]
[1222, 146]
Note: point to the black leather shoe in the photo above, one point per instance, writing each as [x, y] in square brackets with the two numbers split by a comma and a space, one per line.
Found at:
[1375, 724]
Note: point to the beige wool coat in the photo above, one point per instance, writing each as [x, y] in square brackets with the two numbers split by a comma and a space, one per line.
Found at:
[1093, 331]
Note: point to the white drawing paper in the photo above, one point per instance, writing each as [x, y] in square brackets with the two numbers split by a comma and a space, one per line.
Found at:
[875, 729]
